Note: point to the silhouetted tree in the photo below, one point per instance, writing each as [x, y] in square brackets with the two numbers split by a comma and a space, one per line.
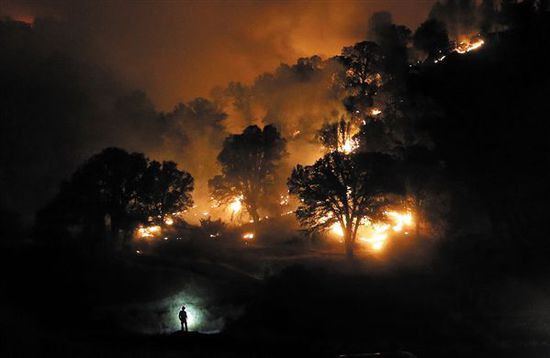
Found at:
[165, 189]
[343, 189]
[108, 184]
[334, 136]
[393, 40]
[402, 123]
[248, 162]
[114, 190]
[431, 37]
[363, 65]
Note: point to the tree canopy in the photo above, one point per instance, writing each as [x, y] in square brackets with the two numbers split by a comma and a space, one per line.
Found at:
[116, 190]
[249, 161]
[431, 37]
[343, 189]
[363, 63]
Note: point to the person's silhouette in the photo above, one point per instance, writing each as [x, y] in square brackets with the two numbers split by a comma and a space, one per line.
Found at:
[183, 319]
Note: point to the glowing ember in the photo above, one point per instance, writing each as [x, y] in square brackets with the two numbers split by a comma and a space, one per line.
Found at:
[378, 237]
[169, 221]
[375, 111]
[148, 231]
[348, 146]
[469, 45]
[440, 59]
[400, 220]
[27, 19]
[248, 236]
[375, 235]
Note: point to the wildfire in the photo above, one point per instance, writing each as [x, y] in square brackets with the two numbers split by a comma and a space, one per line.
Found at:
[378, 238]
[345, 143]
[236, 205]
[469, 45]
[440, 59]
[148, 231]
[375, 111]
[400, 220]
[348, 146]
[248, 236]
[376, 234]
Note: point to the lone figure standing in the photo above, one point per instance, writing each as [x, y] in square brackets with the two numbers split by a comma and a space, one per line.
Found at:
[183, 319]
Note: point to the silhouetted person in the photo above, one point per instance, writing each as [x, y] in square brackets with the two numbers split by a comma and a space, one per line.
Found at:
[183, 319]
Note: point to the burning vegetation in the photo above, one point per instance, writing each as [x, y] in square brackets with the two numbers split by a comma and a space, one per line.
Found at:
[361, 156]
[468, 45]
[375, 235]
[328, 123]
[374, 183]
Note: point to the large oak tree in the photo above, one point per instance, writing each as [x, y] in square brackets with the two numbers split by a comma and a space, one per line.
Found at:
[249, 161]
[343, 189]
[116, 190]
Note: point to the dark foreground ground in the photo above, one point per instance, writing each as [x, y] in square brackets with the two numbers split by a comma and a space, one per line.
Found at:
[268, 301]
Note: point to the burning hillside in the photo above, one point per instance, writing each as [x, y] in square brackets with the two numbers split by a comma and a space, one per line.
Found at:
[468, 45]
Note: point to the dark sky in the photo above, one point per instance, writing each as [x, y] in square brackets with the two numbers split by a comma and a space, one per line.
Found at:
[179, 50]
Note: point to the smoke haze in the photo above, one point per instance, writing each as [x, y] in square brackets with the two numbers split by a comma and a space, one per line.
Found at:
[70, 73]
[179, 50]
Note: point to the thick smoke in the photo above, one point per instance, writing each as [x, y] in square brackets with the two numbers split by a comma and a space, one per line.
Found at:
[465, 18]
[297, 99]
[57, 110]
[193, 136]
[59, 107]
[177, 50]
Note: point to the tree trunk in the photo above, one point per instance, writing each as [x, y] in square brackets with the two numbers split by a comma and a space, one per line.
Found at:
[349, 251]
[348, 243]
[255, 216]
[253, 212]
